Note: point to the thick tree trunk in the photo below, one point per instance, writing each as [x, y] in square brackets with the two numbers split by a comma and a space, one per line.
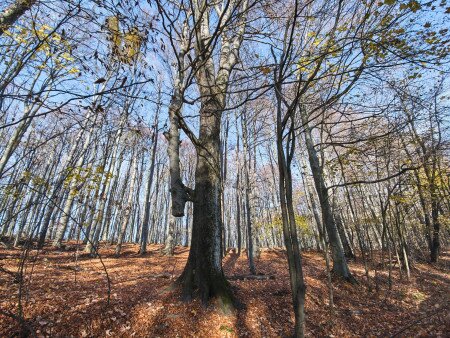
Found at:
[203, 270]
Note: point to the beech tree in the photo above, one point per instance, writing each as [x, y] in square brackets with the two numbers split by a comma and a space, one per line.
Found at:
[211, 23]
[229, 127]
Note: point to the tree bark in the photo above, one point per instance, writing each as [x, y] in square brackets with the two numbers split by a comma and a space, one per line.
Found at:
[298, 287]
[203, 270]
[11, 14]
[128, 205]
[340, 267]
[170, 239]
[146, 221]
[248, 199]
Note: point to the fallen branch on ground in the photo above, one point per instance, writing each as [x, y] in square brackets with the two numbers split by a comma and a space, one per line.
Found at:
[251, 277]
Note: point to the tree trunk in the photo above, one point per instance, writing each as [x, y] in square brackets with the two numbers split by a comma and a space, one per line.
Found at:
[73, 190]
[340, 267]
[248, 199]
[12, 13]
[128, 205]
[170, 239]
[298, 287]
[146, 221]
[238, 193]
[341, 230]
[203, 270]
[238, 214]
[435, 243]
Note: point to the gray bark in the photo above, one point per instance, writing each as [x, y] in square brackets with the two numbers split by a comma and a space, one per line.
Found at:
[340, 266]
[12, 13]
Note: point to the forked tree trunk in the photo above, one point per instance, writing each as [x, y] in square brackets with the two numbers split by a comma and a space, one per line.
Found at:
[203, 269]
[298, 287]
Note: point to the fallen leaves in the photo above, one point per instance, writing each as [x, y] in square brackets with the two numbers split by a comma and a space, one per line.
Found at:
[142, 304]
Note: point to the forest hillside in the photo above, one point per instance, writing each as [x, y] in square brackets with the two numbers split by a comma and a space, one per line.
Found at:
[66, 294]
[224, 168]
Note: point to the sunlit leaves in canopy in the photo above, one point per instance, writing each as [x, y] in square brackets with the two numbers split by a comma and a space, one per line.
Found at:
[125, 45]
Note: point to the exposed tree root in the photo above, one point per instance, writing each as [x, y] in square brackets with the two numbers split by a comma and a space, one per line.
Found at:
[210, 289]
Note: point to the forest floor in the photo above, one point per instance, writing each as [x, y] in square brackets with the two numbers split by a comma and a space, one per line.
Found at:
[64, 294]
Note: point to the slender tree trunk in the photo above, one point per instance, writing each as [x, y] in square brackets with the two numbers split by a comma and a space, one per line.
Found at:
[128, 205]
[341, 230]
[146, 221]
[435, 243]
[238, 194]
[238, 214]
[223, 166]
[170, 239]
[298, 287]
[248, 199]
[73, 189]
[340, 267]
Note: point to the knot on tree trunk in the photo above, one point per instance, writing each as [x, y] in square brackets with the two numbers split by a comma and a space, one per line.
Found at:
[180, 195]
